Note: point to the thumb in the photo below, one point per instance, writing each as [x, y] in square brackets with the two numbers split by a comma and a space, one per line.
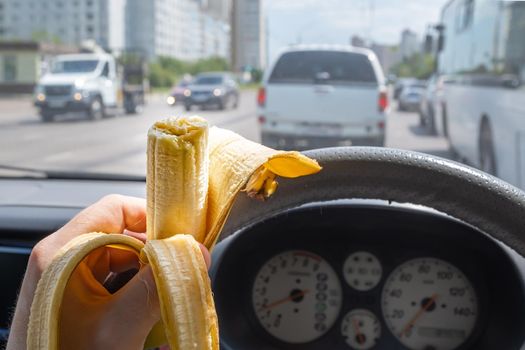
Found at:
[133, 311]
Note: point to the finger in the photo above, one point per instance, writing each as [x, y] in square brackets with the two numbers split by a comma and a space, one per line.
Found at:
[206, 255]
[114, 214]
[138, 235]
[135, 308]
[121, 260]
[111, 214]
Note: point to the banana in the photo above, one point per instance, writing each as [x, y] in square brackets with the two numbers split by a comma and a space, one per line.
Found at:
[193, 176]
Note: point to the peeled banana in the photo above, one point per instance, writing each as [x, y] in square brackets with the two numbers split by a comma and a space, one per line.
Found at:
[193, 175]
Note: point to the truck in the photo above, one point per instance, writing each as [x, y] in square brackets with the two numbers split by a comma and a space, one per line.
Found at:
[95, 84]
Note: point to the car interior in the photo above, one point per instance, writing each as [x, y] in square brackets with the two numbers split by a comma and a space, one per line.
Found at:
[399, 226]
[349, 258]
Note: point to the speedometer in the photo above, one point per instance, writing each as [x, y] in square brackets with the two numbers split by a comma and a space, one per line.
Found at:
[429, 304]
[296, 296]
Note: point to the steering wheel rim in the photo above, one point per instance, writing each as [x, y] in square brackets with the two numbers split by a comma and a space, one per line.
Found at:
[470, 195]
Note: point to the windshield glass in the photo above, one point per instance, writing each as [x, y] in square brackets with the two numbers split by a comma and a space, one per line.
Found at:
[65, 67]
[441, 77]
[307, 66]
[208, 81]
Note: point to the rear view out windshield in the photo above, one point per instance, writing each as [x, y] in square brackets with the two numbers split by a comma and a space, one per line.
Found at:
[303, 67]
[208, 80]
[81, 66]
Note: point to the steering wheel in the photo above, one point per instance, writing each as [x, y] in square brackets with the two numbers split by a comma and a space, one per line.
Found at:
[478, 199]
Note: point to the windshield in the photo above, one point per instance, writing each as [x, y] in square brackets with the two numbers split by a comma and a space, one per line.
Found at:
[441, 77]
[81, 66]
[306, 66]
[208, 81]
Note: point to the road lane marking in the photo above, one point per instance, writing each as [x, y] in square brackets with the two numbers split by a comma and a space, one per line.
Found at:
[235, 119]
[59, 156]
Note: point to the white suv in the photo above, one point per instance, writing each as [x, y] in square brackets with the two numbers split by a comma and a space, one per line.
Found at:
[323, 96]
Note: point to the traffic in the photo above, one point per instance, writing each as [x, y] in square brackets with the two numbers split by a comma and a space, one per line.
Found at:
[359, 165]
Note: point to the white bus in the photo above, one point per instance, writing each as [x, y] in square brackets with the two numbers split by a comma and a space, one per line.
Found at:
[483, 60]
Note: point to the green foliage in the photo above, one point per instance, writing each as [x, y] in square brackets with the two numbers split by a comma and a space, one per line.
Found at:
[44, 36]
[418, 65]
[165, 71]
[257, 75]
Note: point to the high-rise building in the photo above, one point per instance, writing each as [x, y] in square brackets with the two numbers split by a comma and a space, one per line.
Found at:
[64, 21]
[409, 44]
[387, 55]
[248, 35]
[184, 29]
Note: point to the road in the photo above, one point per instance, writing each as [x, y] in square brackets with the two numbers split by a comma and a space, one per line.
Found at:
[117, 144]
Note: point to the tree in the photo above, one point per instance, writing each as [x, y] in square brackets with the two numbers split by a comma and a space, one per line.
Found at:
[418, 65]
[165, 71]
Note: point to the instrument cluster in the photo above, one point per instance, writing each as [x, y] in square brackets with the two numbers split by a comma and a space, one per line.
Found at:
[337, 277]
[426, 302]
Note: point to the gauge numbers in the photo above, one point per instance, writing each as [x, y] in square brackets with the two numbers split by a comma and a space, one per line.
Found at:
[296, 296]
[362, 271]
[429, 304]
[361, 329]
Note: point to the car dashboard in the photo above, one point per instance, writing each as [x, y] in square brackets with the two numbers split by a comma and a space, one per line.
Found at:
[355, 274]
[366, 276]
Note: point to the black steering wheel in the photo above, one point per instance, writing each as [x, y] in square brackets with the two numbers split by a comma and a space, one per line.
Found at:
[481, 200]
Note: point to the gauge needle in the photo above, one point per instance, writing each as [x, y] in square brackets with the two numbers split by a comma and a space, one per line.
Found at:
[297, 294]
[418, 314]
[360, 337]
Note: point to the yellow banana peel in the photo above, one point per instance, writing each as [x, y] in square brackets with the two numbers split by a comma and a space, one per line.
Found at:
[193, 176]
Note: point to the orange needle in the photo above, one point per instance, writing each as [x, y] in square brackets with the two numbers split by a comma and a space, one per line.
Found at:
[416, 317]
[358, 331]
[285, 300]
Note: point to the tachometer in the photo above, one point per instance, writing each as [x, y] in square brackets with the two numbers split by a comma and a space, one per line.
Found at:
[296, 296]
[429, 304]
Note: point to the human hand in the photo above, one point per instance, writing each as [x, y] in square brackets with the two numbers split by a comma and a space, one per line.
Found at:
[121, 320]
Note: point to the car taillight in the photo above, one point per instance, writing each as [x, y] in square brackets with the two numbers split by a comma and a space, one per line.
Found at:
[261, 97]
[262, 119]
[382, 103]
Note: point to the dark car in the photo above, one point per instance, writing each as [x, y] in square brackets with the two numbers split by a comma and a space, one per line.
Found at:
[176, 95]
[404, 83]
[410, 98]
[212, 89]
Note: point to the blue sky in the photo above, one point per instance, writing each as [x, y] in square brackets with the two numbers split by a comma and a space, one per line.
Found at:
[335, 21]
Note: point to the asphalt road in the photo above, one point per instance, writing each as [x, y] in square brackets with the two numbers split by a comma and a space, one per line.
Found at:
[117, 144]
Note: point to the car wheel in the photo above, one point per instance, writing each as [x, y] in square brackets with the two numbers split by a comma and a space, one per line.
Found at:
[431, 122]
[96, 109]
[221, 104]
[236, 103]
[422, 120]
[47, 116]
[444, 120]
[187, 107]
[487, 157]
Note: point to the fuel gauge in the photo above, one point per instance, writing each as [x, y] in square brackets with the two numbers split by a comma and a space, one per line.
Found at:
[362, 270]
[361, 329]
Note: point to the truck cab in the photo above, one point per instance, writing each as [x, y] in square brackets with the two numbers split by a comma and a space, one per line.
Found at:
[86, 83]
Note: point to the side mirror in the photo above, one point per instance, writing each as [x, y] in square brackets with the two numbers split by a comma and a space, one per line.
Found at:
[429, 41]
[321, 77]
[441, 42]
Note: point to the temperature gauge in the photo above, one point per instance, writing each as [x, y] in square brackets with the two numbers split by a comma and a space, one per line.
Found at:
[361, 329]
[362, 270]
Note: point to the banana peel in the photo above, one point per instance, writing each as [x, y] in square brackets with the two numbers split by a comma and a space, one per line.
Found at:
[194, 174]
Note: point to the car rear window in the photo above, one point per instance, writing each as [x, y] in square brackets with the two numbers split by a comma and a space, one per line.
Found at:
[302, 67]
[208, 80]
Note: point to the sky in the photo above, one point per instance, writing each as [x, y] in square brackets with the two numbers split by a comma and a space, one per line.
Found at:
[335, 21]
